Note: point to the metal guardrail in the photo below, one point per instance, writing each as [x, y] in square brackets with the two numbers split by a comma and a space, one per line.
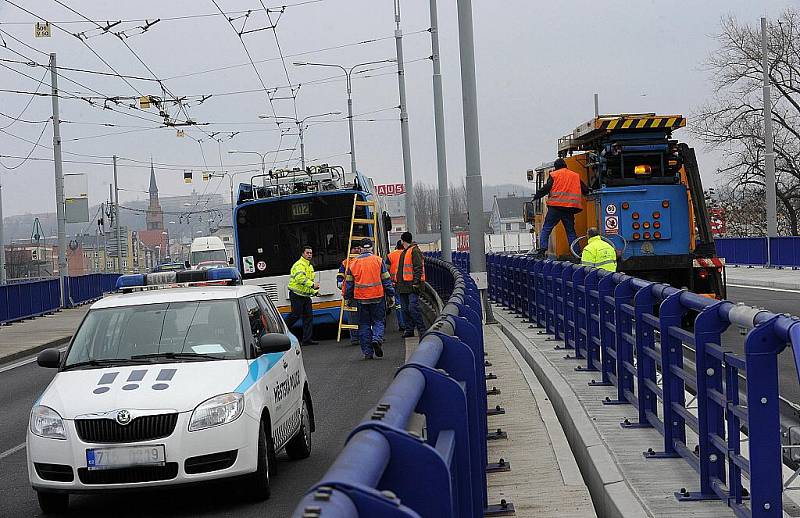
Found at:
[20, 300]
[633, 333]
[752, 251]
[387, 471]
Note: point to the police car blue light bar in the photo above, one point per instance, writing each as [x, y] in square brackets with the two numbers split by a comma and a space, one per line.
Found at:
[175, 279]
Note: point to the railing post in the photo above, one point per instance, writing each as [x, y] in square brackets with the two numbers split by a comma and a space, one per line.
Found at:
[592, 319]
[623, 327]
[763, 421]
[646, 397]
[671, 313]
[708, 329]
[605, 288]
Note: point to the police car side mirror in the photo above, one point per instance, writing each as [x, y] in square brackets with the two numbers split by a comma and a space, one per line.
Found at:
[274, 343]
[50, 358]
[230, 260]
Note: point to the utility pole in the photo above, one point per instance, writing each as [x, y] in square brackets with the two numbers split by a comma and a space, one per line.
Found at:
[769, 152]
[302, 145]
[441, 152]
[469, 95]
[411, 217]
[2, 240]
[596, 105]
[116, 217]
[59, 174]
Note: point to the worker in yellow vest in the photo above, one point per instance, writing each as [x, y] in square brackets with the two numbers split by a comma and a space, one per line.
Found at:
[599, 253]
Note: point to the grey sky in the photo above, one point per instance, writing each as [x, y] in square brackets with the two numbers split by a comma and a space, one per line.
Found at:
[538, 64]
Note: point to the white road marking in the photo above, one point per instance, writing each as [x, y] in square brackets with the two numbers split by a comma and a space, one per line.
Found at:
[12, 451]
[767, 288]
[24, 361]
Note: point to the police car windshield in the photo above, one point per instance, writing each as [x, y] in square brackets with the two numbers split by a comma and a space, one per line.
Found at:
[174, 331]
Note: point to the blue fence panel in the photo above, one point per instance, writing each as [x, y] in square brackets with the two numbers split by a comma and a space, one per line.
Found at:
[785, 251]
[742, 250]
[445, 381]
[22, 300]
[635, 331]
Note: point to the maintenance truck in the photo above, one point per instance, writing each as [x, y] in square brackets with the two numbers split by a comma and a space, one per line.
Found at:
[647, 200]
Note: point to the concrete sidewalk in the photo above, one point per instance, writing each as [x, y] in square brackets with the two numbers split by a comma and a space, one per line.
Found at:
[544, 480]
[621, 481]
[31, 336]
[758, 277]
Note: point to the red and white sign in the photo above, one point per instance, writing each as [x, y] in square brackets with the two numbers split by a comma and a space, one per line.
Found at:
[391, 189]
[462, 241]
[717, 217]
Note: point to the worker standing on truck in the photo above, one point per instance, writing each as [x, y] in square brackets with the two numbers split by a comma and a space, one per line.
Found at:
[368, 282]
[355, 250]
[393, 262]
[598, 252]
[564, 190]
[301, 288]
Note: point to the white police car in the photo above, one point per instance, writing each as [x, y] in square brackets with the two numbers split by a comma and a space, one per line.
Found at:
[162, 386]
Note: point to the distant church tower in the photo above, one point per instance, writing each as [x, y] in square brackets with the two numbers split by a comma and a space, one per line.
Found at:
[155, 218]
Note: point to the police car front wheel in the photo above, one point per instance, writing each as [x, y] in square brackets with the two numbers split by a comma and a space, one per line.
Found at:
[259, 481]
[52, 502]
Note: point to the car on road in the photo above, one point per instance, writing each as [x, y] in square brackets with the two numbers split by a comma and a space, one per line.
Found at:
[174, 380]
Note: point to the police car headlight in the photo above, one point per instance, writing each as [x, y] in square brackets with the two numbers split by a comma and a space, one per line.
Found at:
[45, 422]
[218, 410]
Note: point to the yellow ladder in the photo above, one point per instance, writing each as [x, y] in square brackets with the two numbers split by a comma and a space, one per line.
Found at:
[371, 220]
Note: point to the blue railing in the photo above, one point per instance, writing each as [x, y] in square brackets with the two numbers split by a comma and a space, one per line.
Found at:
[20, 299]
[386, 471]
[86, 288]
[637, 335]
[23, 300]
[752, 251]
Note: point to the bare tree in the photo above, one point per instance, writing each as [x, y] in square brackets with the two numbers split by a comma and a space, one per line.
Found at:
[732, 121]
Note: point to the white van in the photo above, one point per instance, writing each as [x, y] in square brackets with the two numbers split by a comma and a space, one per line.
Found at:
[208, 249]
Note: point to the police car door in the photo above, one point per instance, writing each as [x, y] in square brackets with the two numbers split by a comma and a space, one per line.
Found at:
[276, 375]
[290, 391]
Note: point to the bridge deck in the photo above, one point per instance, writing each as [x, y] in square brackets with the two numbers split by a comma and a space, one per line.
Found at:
[29, 336]
[652, 482]
[544, 480]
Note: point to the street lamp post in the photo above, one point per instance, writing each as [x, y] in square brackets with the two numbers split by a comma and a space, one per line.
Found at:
[348, 72]
[301, 126]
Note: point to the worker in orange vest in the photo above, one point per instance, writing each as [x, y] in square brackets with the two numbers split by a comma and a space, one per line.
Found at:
[368, 283]
[410, 278]
[564, 190]
[340, 282]
[393, 262]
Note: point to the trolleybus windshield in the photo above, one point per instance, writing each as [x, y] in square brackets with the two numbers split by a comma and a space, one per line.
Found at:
[271, 231]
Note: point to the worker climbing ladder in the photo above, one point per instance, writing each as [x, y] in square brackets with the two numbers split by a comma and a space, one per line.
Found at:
[367, 225]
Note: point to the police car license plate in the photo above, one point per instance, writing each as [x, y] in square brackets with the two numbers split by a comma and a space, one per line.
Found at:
[125, 456]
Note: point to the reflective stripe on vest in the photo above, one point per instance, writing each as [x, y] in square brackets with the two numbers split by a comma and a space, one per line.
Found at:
[408, 266]
[367, 278]
[566, 190]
